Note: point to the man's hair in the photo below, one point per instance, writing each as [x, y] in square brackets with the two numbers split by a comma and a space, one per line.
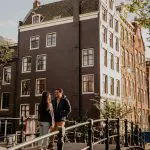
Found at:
[60, 90]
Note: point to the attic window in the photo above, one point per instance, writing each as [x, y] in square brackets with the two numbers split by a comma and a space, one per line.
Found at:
[36, 18]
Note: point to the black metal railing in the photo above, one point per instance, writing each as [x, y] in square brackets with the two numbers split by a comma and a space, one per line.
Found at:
[92, 135]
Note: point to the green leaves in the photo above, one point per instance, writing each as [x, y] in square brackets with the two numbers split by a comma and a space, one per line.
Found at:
[6, 52]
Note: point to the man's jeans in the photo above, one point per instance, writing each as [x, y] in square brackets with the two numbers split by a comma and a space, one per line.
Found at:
[44, 129]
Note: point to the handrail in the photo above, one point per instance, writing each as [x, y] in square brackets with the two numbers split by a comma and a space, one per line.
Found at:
[2, 118]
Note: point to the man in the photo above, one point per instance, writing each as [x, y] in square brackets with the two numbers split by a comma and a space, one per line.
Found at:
[62, 108]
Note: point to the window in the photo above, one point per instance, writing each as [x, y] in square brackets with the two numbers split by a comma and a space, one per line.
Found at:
[116, 25]
[41, 62]
[111, 39]
[36, 109]
[51, 39]
[26, 64]
[123, 57]
[105, 57]
[25, 87]
[5, 101]
[88, 83]
[87, 57]
[110, 20]
[40, 86]
[111, 4]
[112, 61]
[24, 110]
[117, 44]
[112, 86]
[36, 19]
[117, 64]
[118, 88]
[34, 42]
[104, 35]
[122, 33]
[105, 83]
[104, 14]
[127, 58]
[7, 75]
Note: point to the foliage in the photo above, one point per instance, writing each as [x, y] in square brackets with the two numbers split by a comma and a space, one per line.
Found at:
[112, 110]
[6, 52]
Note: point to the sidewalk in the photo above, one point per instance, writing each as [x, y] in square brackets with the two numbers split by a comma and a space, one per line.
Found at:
[147, 147]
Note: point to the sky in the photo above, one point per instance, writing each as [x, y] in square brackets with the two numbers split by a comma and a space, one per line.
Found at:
[13, 11]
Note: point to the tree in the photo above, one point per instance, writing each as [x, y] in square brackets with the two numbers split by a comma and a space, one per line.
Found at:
[6, 52]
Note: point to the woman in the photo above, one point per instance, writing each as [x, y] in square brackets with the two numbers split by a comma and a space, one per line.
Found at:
[46, 116]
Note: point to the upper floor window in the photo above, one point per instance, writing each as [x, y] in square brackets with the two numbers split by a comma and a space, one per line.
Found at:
[105, 58]
[41, 62]
[122, 33]
[105, 83]
[25, 87]
[112, 86]
[34, 42]
[88, 83]
[116, 25]
[7, 75]
[111, 4]
[24, 110]
[117, 44]
[104, 14]
[117, 64]
[5, 101]
[87, 57]
[40, 86]
[111, 39]
[111, 61]
[36, 18]
[118, 88]
[51, 40]
[104, 34]
[36, 109]
[110, 20]
[26, 64]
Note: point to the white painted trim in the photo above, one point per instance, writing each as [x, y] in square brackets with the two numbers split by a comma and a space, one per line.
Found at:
[21, 88]
[30, 42]
[36, 87]
[3, 82]
[35, 109]
[22, 64]
[36, 62]
[39, 15]
[46, 39]
[24, 105]
[2, 103]
[56, 22]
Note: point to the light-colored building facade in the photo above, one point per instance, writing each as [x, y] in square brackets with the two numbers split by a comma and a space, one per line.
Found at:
[110, 73]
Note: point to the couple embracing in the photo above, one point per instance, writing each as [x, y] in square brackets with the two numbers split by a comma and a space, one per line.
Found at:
[53, 113]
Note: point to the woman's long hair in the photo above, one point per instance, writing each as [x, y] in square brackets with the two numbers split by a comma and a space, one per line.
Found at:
[44, 104]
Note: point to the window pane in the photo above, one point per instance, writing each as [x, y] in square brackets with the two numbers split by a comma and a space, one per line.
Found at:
[6, 75]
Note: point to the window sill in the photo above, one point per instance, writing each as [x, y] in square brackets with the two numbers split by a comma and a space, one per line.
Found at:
[34, 48]
[37, 95]
[50, 46]
[4, 110]
[4, 83]
[87, 66]
[26, 71]
[84, 93]
[40, 70]
[25, 96]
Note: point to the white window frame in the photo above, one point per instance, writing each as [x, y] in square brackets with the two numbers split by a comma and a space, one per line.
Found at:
[56, 39]
[82, 84]
[37, 104]
[36, 86]
[37, 64]
[36, 16]
[38, 42]
[2, 102]
[21, 88]
[24, 105]
[3, 82]
[88, 56]
[23, 64]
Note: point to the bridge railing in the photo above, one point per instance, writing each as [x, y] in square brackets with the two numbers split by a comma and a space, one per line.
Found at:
[111, 130]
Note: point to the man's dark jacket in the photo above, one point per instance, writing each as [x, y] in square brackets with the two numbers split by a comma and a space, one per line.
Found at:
[62, 110]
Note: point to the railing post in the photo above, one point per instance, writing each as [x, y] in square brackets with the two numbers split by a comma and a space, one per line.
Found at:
[107, 135]
[75, 133]
[118, 133]
[90, 134]
[60, 142]
[132, 135]
[126, 133]
[140, 137]
[21, 130]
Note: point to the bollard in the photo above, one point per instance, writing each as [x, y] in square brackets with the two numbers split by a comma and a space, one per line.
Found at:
[60, 142]
[132, 135]
[90, 135]
[107, 135]
[118, 133]
[126, 133]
